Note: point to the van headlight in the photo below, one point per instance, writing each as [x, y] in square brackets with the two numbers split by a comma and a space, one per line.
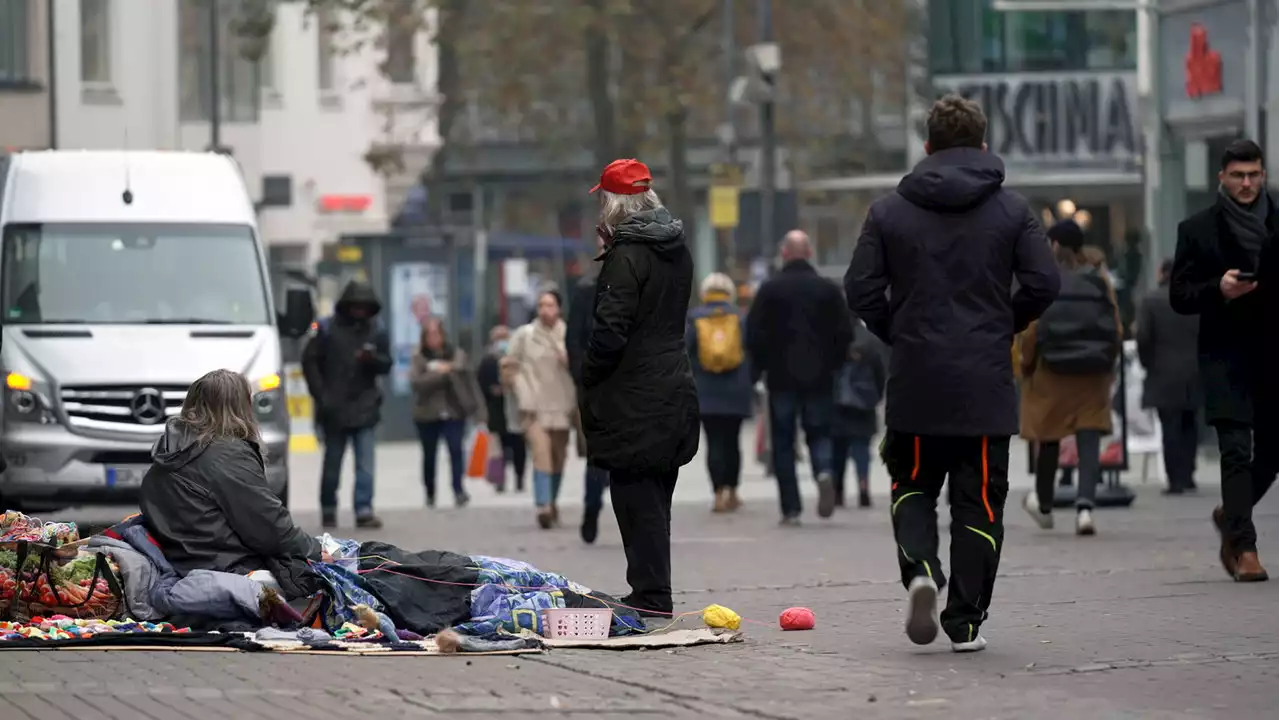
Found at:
[267, 395]
[26, 400]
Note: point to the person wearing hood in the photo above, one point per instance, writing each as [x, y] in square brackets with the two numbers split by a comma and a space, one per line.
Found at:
[798, 335]
[205, 498]
[933, 277]
[1224, 270]
[342, 363]
[639, 405]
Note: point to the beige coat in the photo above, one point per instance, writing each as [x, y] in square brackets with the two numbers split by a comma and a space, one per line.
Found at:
[454, 395]
[536, 368]
[1055, 406]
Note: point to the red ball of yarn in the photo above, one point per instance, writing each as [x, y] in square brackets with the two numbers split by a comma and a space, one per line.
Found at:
[796, 618]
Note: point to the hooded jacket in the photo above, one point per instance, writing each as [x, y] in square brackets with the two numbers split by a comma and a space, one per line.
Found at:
[209, 507]
[639, 405]
[343, 383]
[933, 275]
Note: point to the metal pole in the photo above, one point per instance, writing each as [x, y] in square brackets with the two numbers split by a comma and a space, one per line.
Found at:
[481, 268]
[215, 89]
[768, 144]
[1252, 79]
[1150, 77]
[729, 40]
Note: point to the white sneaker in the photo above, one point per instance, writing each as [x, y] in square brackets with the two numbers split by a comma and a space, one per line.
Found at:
[1032, 506]
[973, 645]
[922, 610]
[1084, 522]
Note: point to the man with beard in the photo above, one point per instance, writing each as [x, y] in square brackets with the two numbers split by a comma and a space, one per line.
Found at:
[1224, 270]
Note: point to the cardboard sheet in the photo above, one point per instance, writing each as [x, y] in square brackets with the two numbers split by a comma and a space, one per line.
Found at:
[675, 638]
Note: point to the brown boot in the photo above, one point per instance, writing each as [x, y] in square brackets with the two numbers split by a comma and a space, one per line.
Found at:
[545, 518]
[721, 503]
[1225, 555]
[1248, 569]
[733, 502]
[555, 515]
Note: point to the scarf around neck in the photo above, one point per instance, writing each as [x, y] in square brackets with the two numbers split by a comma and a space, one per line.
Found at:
[1248, 223]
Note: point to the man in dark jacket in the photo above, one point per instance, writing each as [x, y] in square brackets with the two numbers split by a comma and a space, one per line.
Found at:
[947, 247]
[798, 335]
[342, 363]
[1224, 270]
[577, 337]
[1167, 349]
[638, 402]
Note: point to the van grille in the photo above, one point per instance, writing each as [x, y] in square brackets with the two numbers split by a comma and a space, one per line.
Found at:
[126, 407]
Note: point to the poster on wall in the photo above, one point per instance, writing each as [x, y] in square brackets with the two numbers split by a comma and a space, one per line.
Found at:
[418, 291]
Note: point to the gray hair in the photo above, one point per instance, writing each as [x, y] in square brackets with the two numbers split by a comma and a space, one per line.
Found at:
[615, 208]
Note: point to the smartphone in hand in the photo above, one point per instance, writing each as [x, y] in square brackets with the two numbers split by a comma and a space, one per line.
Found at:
[1244, 276]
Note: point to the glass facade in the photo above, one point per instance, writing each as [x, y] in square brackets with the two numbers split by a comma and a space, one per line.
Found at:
[969, 37]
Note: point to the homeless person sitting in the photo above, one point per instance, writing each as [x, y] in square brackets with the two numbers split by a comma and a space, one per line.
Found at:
[206, 499]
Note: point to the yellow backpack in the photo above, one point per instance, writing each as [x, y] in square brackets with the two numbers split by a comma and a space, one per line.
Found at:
[719, 341]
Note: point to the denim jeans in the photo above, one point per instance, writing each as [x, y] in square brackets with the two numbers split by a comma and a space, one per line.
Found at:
[814, 411]
[844, 449]
[335, 446]
[430, 434]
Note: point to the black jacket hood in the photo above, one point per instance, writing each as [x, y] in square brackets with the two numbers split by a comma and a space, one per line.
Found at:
[656, 228]
[953, 180]
[178, 447]
[357, 293]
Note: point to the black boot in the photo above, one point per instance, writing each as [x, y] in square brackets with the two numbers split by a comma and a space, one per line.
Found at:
[590, 524]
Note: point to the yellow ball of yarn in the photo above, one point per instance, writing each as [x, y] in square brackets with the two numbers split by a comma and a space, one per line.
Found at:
[719, 616]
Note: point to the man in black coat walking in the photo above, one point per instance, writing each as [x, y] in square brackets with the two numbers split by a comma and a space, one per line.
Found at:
[1224, 270]
[1167, 349]
[639, 405]
[933, 276]
[577, 338]
[342, 363]
[798, 335]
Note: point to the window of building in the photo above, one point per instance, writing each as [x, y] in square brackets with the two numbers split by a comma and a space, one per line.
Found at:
[15, 29]
[401, 63]
[326, 52]
[95, 41]
[968, 36]
[238, 88]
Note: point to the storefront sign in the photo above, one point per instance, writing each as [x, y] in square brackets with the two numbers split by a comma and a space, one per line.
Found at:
[1204, 66]
[1077, 119]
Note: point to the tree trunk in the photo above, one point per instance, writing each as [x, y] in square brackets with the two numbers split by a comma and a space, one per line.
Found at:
[680, 197]
[599, 75]
[449, 88]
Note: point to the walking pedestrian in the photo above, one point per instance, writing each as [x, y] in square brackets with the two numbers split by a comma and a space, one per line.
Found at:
[578, 336]
[932, 276]
[342, 363]
[639, 404]
[445, 396]
[717, 353]
[537, 368]
[511, 441]
[1068, 368]
[859, 390]
[1224, 270]
[1167, 349]
[798, 335]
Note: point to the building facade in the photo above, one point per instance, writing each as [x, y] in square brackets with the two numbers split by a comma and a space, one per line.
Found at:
[25, 81]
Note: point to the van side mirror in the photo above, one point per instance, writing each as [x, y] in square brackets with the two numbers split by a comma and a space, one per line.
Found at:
[299, 313]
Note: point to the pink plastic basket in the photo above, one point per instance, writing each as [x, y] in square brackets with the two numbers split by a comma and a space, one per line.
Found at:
[577, 622]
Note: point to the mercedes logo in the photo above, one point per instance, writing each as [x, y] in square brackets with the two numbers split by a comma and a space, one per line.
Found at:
[148, 406]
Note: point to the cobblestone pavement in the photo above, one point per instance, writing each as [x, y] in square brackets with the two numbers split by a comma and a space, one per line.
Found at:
[1138, 622]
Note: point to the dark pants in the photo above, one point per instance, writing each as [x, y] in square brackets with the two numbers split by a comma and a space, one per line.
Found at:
[814, 410]
[597, 481]
[515, 452]
[335, 446]
[844, 449]
[430, 434]
[1088, 450]
[978, 473]
[1248, 470]
[724, 449]
[1180, 431]
[642, 505]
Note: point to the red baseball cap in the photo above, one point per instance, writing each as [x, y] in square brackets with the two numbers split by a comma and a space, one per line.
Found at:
[625, 177]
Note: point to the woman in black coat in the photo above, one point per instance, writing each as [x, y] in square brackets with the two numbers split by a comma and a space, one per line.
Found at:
[638, 402]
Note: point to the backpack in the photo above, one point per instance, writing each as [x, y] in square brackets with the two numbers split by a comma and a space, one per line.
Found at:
[719, 341]
[1078, 334]
[856, 386]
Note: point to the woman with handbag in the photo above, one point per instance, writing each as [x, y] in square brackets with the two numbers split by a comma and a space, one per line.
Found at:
[445, 396]
[536, 368]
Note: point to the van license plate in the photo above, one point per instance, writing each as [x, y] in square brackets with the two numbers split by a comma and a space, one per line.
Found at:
[127, 476]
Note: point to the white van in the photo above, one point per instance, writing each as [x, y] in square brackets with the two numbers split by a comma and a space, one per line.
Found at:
[126, 276]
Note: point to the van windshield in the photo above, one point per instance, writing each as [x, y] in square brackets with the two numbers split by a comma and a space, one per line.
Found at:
[95, 273]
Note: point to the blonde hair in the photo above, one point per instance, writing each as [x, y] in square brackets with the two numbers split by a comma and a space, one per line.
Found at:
[220, 406]
[615, 208]
[718, 283]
